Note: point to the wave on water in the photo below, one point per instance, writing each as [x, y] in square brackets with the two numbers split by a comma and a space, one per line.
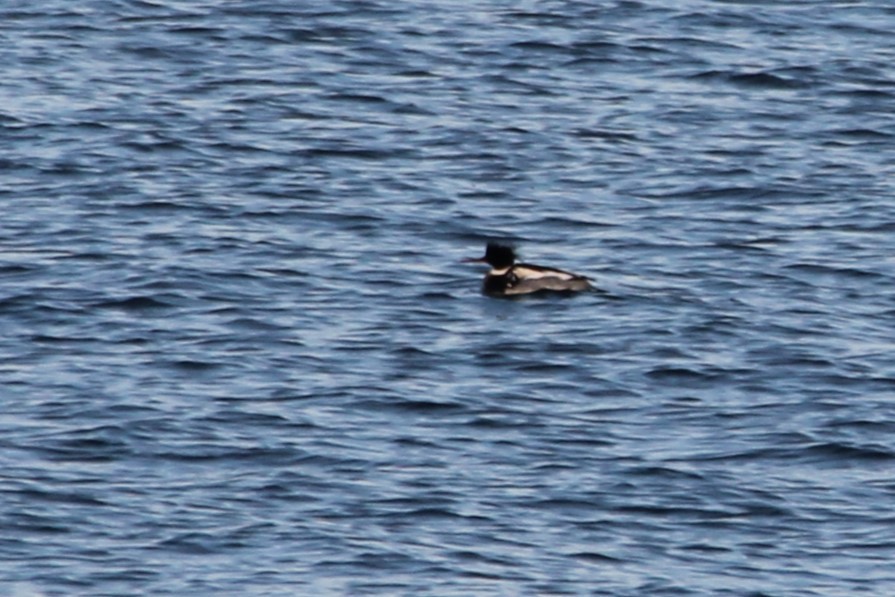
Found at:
[240, 355]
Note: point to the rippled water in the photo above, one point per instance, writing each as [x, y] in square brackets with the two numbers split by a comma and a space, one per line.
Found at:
[239, 356]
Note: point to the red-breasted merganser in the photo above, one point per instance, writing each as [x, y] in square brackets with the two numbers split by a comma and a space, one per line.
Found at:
[508, 278]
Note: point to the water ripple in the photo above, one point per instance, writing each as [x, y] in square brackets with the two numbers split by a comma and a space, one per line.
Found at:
[235, 325]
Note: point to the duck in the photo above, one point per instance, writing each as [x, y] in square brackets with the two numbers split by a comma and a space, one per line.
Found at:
[508, 278]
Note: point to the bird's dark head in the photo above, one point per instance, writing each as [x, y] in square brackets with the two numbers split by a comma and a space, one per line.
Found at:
[499, 256]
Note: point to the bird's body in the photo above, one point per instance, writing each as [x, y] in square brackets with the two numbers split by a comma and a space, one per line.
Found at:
[508, 278]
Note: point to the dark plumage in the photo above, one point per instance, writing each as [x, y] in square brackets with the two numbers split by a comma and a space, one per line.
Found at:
[508, 278]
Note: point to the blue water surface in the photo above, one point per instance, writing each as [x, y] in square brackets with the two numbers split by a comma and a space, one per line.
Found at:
[239, 355]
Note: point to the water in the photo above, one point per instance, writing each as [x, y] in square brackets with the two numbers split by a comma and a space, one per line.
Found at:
[239, 357]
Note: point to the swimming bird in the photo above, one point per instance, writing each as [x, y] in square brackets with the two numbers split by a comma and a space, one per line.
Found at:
[508, 278]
